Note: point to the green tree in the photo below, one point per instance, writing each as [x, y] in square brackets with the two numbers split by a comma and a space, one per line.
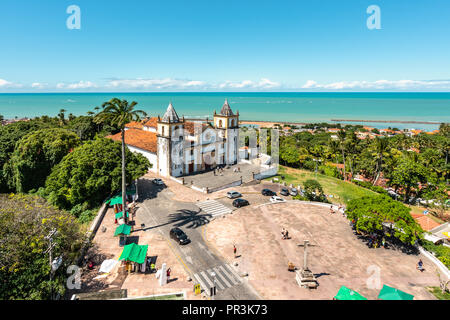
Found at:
[61, 116]
[120, 112]
[369, 213]
[341, 138]
[408, 174]
[91, 173]
[381, 145]
[314, 191]
[24, 265]
[35, 155]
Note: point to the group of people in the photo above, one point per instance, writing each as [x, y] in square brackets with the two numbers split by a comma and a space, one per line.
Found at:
[218, 171]
[284, 234]
[340, 209]
[375, 241]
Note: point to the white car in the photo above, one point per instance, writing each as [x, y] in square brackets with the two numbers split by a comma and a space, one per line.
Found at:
[233, 194]
[158, 182]
[276, 199]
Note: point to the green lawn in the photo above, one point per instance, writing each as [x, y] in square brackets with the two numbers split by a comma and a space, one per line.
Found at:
[342, 191]
[437, 292]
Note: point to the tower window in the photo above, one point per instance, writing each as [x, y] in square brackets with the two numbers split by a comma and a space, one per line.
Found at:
[220, 123]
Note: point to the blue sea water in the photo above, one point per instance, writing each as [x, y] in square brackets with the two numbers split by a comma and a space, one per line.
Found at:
[274, 106]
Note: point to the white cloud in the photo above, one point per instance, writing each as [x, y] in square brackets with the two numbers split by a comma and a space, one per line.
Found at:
[381, 85]
[38, 85]
[7, 84]
[248, 84]
[156, 84]
[82, 85]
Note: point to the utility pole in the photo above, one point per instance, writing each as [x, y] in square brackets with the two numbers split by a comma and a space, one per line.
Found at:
[49, 237]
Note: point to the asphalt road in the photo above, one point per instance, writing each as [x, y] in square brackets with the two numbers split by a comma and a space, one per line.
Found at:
[158, 211]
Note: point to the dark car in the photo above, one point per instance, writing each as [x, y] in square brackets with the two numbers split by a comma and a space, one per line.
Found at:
[179, 236]
[240, 203]
[268, 192]
[284, 192]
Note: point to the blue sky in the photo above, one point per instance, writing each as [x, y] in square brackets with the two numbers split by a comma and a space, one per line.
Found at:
[212, 45]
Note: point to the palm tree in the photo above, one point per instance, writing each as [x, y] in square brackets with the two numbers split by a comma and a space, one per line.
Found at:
[341, 137]
[120, 112]
[381, 145]
[61, 116]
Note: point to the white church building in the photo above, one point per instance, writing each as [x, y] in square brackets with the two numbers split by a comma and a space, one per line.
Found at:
[176, 147]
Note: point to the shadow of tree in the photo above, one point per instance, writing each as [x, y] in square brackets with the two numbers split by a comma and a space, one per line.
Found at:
[189, 218]
[148, 190]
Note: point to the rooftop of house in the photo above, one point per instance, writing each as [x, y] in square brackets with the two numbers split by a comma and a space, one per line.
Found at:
[138, 138]
[424, 221]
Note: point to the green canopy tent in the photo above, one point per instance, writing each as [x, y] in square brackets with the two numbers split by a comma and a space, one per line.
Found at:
[134, 253]
[389, 293]
[122, 229]
[345, 293]
[119, 215]
[115, 200]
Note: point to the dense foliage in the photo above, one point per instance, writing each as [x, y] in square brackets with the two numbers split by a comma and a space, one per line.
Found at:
[24, 265]
[369, 213]
[35, 155]
[441, 252]
[91, 172]
[413, 166]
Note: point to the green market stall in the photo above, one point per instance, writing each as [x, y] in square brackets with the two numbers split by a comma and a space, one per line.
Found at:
[345, 293]
[122, 230]
[134, 254]
[389, 293]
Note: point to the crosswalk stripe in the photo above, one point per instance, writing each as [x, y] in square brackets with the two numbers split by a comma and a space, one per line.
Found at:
[218, 280]
[200, 281]
[211, 284]
[214, 207]
[233, 272]
[224, 279]
[232, 279]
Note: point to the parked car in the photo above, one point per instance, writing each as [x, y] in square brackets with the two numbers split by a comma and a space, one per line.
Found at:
[179, 236]
[268, 192]
[276, 199]
[158, 182]
[293, 192]
[284, 192]
[240, 203]
[233, 194]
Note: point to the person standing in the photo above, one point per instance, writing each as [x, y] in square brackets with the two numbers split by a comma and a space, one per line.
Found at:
[235, 251]
[168, 275]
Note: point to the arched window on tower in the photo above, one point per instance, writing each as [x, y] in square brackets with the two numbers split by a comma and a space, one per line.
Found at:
[220, 123]
[162, 130]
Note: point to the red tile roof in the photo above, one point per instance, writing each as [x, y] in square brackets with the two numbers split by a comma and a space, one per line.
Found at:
[425, 222]
[134, 124]
[151, 122]
[138, 138]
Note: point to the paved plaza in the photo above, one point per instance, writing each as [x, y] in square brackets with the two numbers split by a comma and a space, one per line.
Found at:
[338, 257]
[223, 177]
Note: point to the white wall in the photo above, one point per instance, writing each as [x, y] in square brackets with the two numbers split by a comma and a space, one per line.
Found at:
[149, 155]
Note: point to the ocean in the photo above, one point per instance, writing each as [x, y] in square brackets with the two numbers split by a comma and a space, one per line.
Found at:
[273, 106]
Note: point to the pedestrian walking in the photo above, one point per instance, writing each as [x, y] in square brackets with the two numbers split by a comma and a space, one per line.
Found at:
[235, 251]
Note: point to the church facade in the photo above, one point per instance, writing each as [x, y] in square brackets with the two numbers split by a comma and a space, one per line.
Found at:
[176, 147]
